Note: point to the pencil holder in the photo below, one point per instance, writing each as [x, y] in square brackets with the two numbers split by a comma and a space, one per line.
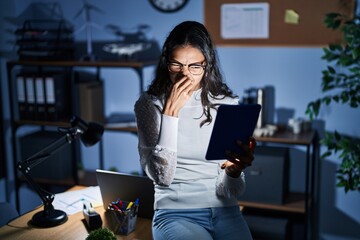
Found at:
[122, 221]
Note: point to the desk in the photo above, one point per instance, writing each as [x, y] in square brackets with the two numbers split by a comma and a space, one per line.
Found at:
[73, 228]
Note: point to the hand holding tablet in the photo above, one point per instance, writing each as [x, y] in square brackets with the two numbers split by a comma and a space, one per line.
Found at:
[233, 123]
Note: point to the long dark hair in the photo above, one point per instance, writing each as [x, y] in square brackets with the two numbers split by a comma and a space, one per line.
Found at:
[194, 34]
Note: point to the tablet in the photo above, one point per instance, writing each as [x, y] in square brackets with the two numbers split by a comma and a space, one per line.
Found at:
[232, 122]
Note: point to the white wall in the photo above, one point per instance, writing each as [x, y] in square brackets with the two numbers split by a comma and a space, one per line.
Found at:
[295, 73]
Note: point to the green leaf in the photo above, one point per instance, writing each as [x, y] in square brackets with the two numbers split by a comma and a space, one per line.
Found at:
[335, 98]
[340, 184]
[331, 69]
[325, 155]
[355, 53]
[327, 100]
[337, 136]
[335, 47]
[344, 97]
[332, 15]
[354, 103]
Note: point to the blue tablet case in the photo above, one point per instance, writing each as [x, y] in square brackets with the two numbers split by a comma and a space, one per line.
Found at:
[232, 122]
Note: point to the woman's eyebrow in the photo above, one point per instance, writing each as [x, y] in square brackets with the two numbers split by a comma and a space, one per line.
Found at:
[175, 61]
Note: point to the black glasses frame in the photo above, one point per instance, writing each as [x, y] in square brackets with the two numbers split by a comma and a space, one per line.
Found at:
[177, 64]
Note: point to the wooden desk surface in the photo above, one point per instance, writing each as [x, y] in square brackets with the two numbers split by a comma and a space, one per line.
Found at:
[73, 228]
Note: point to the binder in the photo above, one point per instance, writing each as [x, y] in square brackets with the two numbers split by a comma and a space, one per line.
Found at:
[50, 98]
[57, 97]
[21, 97]
[40, 98]
[30, 97]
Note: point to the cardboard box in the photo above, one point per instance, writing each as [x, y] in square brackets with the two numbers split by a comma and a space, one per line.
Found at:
[91, 97]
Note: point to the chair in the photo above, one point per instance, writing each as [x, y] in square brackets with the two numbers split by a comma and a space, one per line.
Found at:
[8, 212]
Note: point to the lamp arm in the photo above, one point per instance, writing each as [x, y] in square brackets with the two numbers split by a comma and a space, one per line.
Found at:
[26, 165]
[90, 134]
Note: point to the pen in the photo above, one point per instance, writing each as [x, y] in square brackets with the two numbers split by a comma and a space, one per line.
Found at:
[129, 205]
[115, 207]
[120, 203]
[135, 209]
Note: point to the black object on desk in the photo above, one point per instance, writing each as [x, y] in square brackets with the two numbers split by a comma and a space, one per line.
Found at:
[92, 218]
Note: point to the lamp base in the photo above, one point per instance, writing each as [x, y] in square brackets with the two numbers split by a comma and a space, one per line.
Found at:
[49, 219]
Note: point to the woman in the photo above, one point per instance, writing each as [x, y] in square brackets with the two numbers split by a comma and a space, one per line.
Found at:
[193, 197]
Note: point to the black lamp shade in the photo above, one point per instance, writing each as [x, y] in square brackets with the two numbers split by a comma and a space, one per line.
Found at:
[91, 132]
[92, 135]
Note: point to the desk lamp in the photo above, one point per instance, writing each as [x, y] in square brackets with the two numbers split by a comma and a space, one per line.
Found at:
[90, 134]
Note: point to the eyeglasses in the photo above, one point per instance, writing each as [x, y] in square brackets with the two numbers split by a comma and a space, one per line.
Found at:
[194, 69]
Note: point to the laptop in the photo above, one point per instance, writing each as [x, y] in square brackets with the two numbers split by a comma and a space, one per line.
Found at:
[114, 185]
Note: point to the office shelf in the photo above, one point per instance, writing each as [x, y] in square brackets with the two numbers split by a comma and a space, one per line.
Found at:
[300, 204]
[130, 129]
[41, 123]
[14, 67]
[294, 203]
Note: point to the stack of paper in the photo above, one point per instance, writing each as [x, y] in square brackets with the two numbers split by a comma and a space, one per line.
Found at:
[72, 202]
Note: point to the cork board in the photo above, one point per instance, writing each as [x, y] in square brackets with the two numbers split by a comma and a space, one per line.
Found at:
[307, 29]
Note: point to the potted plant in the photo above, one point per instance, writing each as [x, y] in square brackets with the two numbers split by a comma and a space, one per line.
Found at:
[341, 83]
[101, 234]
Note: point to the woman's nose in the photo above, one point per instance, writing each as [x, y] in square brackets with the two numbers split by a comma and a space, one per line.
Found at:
[185, 70]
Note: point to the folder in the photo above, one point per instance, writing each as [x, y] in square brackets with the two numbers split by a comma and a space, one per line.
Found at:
[40, 98]
[57, 97]
[50, 98]
[21, 97]
[30, 97]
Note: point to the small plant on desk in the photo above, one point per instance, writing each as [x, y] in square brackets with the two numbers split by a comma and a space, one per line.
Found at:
[101, 233]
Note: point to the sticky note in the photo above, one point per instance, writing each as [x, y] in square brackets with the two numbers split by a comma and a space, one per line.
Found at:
[291, 17]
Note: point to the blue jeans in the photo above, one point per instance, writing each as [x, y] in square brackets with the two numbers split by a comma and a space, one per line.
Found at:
[223, 223]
